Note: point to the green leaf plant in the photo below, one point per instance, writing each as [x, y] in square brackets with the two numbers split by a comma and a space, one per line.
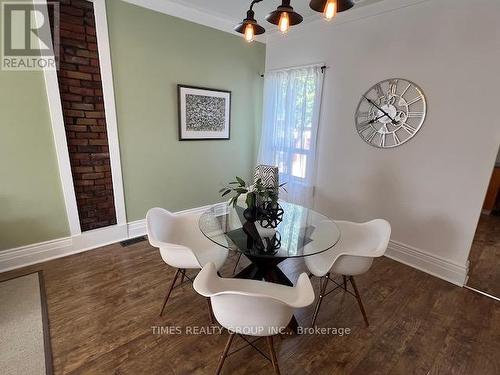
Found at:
[255, 194]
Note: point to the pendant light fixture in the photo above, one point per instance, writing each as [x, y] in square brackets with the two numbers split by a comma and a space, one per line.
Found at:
[330, 8]
[284, 16]
[249, 27]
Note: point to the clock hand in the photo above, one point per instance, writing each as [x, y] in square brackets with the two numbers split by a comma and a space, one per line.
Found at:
[380, 109]
[372, 121]
[375, 119]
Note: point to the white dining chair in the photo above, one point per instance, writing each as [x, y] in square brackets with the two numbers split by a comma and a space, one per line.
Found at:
[353, 255]
[251, 307]
[181, 244]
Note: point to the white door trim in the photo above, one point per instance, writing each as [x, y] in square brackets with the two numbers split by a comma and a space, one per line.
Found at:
[59, 133]
[103, 48]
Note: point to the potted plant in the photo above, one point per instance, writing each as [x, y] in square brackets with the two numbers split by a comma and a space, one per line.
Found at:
[257, 196]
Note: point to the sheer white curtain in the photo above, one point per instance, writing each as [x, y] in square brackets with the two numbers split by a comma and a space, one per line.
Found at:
[292, 100]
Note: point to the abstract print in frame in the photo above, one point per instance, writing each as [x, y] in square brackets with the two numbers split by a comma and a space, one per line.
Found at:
[203, 113]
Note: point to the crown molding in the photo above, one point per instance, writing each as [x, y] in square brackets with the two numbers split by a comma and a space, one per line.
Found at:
[192, 13]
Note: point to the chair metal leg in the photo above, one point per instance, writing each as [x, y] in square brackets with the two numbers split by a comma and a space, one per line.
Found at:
[210, 311]
[345, 282]
[323, 284]
[224, 353]
[183, 274]
[237, 262]
[358, 297]
[274, 359]
[169, 291]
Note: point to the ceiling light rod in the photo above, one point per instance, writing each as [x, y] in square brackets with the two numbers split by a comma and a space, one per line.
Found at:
[284, 16]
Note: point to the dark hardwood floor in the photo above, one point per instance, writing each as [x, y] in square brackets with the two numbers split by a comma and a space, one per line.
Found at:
[103, 304]
[484, 272]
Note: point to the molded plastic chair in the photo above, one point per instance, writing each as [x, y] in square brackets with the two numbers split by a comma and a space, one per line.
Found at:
[251, 307]
[353, 255]
[181, 243]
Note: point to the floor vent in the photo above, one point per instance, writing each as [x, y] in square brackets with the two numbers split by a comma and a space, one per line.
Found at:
[132, 241]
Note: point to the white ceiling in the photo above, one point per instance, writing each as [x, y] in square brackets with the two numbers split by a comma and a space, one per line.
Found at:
[235, 10]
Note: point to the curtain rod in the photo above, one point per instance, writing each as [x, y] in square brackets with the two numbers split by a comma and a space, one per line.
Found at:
[323, 67]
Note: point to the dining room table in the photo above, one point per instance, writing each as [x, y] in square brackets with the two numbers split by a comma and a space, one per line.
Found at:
[297, 232]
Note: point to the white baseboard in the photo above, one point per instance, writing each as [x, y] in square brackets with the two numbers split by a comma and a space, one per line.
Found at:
[428, 263]
[43, 251]
[137, 228]
[34, 253]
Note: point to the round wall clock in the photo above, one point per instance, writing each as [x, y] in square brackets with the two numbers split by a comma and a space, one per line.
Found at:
[390, 113]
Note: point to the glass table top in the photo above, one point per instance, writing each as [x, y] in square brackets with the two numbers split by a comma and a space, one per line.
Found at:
[300, 233]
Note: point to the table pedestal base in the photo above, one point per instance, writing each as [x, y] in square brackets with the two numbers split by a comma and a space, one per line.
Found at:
[267, 269]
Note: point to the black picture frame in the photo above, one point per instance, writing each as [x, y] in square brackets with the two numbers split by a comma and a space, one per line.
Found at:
[184, 134]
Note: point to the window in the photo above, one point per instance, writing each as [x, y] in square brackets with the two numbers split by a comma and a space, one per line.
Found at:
[290, 123]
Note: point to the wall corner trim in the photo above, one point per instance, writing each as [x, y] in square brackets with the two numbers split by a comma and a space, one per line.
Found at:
[428, 263]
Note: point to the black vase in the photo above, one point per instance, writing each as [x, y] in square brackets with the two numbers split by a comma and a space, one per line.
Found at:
[251, 214]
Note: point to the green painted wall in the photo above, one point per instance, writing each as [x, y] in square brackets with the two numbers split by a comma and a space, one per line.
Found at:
[151, 53]
[31, 201]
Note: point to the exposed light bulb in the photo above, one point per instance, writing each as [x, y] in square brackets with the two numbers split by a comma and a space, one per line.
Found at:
[284, 22]
[249, 33]
[330, 9]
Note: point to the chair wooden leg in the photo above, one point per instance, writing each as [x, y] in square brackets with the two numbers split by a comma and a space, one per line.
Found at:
[224, 353]
[169, 291]
[323, 284]
[183, 274]
[274, 359]
[210, 311]
[237, 262]
[358, 297]
[345, 282]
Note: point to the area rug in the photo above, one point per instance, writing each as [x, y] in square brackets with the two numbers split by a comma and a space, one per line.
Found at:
[24, 330]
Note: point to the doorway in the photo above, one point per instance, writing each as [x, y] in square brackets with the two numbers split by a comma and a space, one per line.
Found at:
[484, 271]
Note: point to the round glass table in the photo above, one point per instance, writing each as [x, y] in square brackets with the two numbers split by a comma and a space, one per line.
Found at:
[299, 232]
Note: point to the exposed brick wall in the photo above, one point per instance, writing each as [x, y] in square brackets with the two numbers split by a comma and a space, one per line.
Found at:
[84, 119]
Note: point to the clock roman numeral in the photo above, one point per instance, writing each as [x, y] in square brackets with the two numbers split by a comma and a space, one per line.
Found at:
[363, 126]
[371, 136]
[413, 101]
[393, 85]
[397, 141]
[415, 114]
[378, 88]
[364, 114]
[406, 89]
[382, 140]
[410, 129]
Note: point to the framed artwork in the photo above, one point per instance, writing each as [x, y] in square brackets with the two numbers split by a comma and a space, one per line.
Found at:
[203, 113]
